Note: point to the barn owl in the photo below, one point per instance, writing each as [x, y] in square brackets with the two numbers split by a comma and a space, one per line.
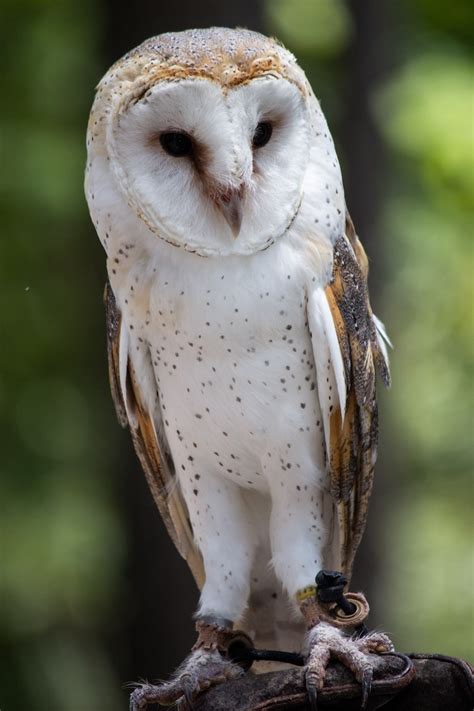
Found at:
[242, 346]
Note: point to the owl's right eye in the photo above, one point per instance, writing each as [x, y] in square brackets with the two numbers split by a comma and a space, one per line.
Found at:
[176, 144]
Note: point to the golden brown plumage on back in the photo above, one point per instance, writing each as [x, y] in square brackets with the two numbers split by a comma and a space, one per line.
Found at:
[353, 442]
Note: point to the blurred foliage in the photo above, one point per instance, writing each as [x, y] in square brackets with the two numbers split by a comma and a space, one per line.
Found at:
[445, 25]
[64, 537]
[426, 114]
[320, 27]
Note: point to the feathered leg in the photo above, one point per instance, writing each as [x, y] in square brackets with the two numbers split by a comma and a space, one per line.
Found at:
[207, 665]
[221, 528]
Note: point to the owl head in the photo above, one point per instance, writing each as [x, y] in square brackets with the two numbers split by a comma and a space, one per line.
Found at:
[208, 135]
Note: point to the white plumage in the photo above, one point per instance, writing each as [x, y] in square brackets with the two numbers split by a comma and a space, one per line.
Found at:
[231, 342]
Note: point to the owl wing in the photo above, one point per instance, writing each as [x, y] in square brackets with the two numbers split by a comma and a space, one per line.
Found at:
[150, 446]
[349, 345]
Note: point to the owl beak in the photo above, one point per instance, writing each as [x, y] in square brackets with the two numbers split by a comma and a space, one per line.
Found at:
[229, 202]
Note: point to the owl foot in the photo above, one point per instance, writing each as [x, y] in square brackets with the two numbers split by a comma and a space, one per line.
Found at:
[199, 672]
[326, 642]
[206, 666]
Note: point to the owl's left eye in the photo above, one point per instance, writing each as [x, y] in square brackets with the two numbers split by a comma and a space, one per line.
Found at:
[262, 134]
[176, 144]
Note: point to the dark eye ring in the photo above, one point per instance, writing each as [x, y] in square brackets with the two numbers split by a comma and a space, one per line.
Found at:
[262, 134]
[176, 144]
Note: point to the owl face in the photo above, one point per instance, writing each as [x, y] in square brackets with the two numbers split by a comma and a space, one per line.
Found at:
[211, 168]
[213, 141]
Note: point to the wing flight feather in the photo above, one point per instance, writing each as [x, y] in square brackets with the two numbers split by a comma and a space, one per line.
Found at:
[351, 420]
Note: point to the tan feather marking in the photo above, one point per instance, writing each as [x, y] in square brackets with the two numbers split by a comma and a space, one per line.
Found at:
[341, 332]
[353, 443]
[228, 77]
[228, 57]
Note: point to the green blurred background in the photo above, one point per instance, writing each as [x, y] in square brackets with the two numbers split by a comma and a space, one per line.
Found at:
[92, 593]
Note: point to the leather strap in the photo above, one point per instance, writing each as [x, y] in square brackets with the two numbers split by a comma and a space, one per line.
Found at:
[315, 611]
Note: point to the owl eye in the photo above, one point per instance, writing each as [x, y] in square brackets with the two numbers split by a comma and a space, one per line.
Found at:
[262, 134]
[176, 144]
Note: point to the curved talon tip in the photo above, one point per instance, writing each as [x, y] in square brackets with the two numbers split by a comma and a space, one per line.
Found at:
[366, 688]
[134, 703]
[188, 689]
[312, 696]
[181, 704]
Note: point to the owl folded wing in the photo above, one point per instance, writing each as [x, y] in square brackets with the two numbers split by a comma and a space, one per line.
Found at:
[150, 445]
[349, 345]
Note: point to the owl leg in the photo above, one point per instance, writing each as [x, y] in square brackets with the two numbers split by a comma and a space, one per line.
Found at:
[223, 532]
[207, 665]
[328, 639]
[298, 533]
[298, 537]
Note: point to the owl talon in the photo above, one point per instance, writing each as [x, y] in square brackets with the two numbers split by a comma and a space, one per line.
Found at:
[312, 694]
[201, 670]
[189, 689]
[183, 705]
[366, 685]
[356, 654]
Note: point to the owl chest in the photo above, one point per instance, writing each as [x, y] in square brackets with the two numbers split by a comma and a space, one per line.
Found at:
[233, 359]
[233, 364]
[216, 327]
